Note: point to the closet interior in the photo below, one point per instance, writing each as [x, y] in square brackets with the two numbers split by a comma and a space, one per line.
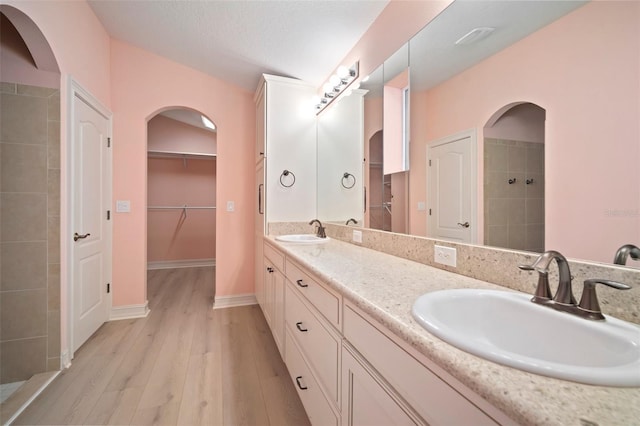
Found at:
[181, 190]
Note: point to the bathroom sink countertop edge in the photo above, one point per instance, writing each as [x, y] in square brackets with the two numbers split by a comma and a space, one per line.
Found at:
[363, 275]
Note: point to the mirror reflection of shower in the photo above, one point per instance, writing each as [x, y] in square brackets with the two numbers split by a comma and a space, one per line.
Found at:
[514, 178]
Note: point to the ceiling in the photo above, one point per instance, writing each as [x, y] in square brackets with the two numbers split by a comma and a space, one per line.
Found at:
[237, 40]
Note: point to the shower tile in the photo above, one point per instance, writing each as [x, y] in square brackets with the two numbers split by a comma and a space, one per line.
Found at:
[53, 334]
[498, 236]
[24, 119]
[53, 104]
[497, 211]
[535, 158]
[37, 91]
[53, 192]
[535, 238]
[535, 210]
[24, 266]
[535, 189]
[23, 217]
[23, 358]
[53, 144]
[517, 237]
[517, 159]
[24, 168]
[53, 364]
[496, 156]
[53, 240]
[24, 314]
[53, 284]
[7, 87]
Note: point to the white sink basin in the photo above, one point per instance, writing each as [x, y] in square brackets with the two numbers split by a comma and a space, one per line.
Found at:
[509, 329]
[302, 239]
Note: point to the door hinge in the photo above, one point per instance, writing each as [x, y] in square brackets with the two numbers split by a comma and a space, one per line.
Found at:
[108, 142]
[108, 287]
[108, 214]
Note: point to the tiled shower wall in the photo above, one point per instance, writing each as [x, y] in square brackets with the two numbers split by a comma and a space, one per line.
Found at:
[514, 212]
[29, 231]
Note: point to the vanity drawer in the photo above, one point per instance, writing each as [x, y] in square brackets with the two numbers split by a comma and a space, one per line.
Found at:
[324, 300]
[276, 257]
[316, 340]
[315, 404]
[430, 396]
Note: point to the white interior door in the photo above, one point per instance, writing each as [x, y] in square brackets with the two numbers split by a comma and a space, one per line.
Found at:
[91, 232]
[451, 182]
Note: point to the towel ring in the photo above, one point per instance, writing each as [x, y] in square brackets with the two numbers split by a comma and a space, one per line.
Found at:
[345, 177]
[286, 173]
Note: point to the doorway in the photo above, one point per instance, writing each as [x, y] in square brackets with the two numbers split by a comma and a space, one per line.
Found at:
[181, 190]
[514, 178]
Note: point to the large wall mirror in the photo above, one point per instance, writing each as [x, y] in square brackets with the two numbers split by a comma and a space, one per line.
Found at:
[544, 99]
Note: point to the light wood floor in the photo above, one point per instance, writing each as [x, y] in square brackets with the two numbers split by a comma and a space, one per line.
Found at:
[184, 364]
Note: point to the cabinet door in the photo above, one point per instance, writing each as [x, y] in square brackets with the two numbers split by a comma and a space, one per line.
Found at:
[260, 122]
[367, 400]
[277, 327]
[259, 231]
[268, 295]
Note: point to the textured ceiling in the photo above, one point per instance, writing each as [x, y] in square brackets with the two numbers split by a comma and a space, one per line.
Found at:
[237, 40]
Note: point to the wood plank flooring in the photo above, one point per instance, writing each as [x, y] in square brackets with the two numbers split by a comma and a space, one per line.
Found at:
[185, 364]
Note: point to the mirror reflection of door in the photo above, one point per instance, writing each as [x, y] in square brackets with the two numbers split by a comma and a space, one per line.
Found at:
[514, 178]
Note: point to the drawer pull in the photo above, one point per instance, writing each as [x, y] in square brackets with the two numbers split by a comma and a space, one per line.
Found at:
[299, 326]
[299, 385]
[269, 270]
[301, 284]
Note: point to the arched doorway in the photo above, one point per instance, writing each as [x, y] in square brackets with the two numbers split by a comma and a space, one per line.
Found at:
[181, 195]
[30, 346]
[514, 181]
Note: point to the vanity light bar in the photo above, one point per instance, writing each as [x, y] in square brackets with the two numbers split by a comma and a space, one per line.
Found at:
[336, 85]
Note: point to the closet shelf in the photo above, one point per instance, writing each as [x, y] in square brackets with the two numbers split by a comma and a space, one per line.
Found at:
[176, 154]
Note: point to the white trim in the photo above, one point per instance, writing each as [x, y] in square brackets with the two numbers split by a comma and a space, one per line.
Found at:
[172, 264]
[32, 398]
[222, 302]
[65, 359]
[129, 312]
[74, 90]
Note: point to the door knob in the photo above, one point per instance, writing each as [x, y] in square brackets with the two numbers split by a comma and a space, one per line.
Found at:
[464, 225]
[77, 236]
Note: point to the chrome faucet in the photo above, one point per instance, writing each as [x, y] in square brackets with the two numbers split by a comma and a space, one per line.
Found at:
[320, 232]
[352, 220]
[564, 300]
[627, 250]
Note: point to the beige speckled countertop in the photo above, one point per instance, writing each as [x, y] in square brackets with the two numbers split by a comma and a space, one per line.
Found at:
[386, 286]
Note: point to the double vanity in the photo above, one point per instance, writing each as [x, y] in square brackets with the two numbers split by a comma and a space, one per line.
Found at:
[341, 315]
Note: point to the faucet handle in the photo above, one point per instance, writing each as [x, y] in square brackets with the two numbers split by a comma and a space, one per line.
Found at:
[589, 299]
[543, 292]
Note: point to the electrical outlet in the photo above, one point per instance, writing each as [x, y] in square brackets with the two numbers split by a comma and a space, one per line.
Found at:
[123, 206]
[231, 206]
[445, 255]
[357, 236]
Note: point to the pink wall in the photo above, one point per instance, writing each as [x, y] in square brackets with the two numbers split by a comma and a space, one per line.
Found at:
[143, 84]
[166, 134]
[172, 234]
[599, 42]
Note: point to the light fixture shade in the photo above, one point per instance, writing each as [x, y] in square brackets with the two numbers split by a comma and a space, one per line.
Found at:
[334, 80]
[342, 71]
[337, 86]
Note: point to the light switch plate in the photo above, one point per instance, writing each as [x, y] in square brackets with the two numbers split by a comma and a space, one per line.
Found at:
[357, 236]
[231, 206]
[445, 255]
[422, 206]
[123, 206]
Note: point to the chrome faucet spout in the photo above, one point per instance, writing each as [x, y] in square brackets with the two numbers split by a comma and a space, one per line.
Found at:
[626, 251]
[320, 231]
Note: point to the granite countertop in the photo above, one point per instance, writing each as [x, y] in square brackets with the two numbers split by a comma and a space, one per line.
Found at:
[386, 286]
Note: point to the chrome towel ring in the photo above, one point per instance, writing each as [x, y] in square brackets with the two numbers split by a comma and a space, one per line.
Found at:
[346, 177]
[286, 173]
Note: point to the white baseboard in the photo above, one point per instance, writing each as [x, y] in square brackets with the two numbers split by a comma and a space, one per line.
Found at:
[129, 311]
[65, 359]
[222, 302]
[172, 264]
